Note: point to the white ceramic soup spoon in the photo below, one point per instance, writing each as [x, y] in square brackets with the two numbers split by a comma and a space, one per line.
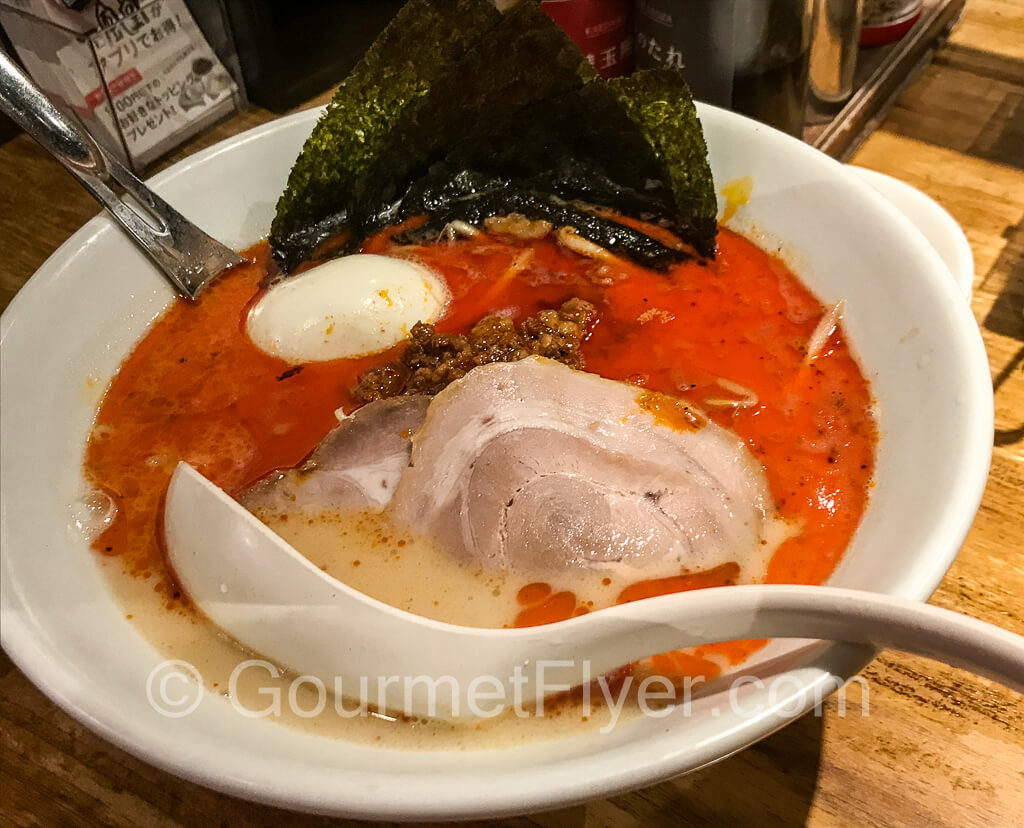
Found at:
[261, 591]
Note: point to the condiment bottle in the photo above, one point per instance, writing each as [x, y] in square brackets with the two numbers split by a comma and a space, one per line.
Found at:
[747, 55]
[603, 29]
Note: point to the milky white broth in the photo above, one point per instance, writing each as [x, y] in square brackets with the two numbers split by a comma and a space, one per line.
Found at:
[370, 553]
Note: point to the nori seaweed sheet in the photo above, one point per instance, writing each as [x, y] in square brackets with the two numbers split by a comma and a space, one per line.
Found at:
[609, 162]
[584, 123]
[659, 101]
[525, 58]
[397, 70]
[511, 103]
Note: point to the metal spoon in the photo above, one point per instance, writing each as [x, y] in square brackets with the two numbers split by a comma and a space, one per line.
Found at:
[260, 590]
[186, 255]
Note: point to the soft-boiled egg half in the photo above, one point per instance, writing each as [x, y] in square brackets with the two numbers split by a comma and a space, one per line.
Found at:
[348, 307]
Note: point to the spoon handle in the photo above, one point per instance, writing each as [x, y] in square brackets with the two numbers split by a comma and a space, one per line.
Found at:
[814, 612]
[186, 255]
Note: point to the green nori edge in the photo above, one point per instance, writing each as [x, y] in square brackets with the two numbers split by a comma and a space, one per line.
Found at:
[660, 103]
[521, 114]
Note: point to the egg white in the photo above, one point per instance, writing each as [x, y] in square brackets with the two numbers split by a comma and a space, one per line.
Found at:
[348, 307]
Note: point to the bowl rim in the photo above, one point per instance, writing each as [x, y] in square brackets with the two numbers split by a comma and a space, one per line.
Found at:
[827, 665]
[929, 217]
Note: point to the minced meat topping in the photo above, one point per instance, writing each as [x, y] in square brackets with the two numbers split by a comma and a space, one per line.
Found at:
[432, 360]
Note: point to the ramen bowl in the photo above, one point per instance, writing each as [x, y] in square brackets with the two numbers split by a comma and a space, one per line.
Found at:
[69, 328]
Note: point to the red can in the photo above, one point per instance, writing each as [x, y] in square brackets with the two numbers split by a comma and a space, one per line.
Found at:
[603, 29]
[886, 21]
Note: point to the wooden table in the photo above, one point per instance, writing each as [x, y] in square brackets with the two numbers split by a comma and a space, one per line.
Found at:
[939, 748]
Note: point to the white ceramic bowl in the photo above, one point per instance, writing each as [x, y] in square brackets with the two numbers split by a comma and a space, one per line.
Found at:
[70, 326]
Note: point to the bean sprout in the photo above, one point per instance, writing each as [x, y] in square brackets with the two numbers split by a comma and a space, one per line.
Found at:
[825, 328]
[747, 398]
[570, 239]
[453, 229]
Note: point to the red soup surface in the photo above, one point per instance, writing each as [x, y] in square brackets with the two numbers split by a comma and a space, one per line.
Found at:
[196, 389]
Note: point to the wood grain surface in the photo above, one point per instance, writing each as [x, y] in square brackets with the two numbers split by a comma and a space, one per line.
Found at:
[939, 747]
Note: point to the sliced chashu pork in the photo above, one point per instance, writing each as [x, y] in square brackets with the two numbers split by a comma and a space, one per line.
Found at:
[356, 466]
[534, 466]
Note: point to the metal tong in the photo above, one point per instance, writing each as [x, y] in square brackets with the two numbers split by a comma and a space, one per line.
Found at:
[186, 255]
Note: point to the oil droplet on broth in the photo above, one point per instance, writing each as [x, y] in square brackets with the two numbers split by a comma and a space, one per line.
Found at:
[92, 513]
[737, 194]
